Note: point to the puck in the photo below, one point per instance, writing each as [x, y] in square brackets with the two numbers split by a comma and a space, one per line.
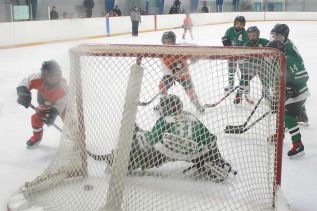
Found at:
[88, 187]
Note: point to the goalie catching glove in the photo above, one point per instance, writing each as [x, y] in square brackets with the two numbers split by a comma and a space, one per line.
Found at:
[24, 96]
[49, 116]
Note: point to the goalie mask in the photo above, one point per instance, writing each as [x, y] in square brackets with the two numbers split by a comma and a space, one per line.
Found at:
[280, 32]
[51, 72]
[278, 44]
[170, 104]
[169, 38]
[253, 34]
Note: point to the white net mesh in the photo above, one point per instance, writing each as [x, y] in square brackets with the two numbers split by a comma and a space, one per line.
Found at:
[169, 159]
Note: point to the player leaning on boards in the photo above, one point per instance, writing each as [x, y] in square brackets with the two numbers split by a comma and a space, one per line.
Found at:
[51, 97]
[234, 36]
[252, 68]
[187, 26]
[281, 32]
[176, 69]
[176, 136]
[296, 94]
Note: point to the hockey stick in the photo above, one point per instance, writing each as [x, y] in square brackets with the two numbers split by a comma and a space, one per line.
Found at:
[234, 128]
[234, 172]
[243, 130]
[150, 101]
[54, 125]
[224, 97]
[189, 168]
[97, 157]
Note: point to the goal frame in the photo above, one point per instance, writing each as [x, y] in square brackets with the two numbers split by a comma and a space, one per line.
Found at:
[235, 53]
[131, 101]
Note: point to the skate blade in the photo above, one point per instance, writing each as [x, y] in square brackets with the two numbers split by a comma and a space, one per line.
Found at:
[33, 146]
[303, 123]
[297, 155]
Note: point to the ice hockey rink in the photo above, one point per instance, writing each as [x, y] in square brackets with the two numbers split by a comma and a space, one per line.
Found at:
[18, 164]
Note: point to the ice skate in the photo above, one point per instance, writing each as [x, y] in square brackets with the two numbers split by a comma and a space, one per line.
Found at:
[33, 142]
[297, 150]
[238, 98]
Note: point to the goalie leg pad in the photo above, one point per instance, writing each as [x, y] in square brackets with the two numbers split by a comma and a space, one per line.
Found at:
[216, 171]
[212, 166]
[143, 155]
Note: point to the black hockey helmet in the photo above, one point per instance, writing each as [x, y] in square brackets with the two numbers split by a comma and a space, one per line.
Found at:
[50, 68]
[170, 104]
[169, 35]
[278, 44]
[281, 29]
[240, 19]
[252, 29]
[253, 34]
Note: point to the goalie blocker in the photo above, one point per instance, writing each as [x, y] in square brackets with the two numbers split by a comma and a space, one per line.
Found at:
[176, 136]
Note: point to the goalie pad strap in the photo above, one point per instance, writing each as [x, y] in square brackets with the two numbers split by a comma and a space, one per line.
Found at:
[141, 139]
[181, 148]
[218, 172]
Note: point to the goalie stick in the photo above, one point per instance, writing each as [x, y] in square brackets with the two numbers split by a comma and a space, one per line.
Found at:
[97, 157]
[223, 98]
[105, 157]
[234, 172]
[236, 128]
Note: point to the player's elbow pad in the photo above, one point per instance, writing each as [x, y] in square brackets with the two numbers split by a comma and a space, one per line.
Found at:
[22, 90]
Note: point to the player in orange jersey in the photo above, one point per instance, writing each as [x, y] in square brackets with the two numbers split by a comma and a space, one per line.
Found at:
[51, 96]
[176, 69]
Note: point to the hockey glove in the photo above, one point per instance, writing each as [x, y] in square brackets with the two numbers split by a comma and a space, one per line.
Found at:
[49, 117]
[168, 81]
[177, 68]
[24, 96]
[226, 41]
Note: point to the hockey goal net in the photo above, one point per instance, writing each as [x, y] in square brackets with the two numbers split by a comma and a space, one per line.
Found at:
[107, 84]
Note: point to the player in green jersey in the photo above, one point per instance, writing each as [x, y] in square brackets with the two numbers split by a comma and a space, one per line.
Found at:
[177, 136]
[281, 32]
[250, 68]
[234, 36]
[296, 94]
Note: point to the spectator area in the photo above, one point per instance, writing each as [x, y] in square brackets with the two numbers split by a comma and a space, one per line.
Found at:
[28, 33]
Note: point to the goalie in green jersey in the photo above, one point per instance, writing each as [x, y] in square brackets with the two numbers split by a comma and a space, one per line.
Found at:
[234, 36]
[177, 136]
[281, 32]
[296, 94]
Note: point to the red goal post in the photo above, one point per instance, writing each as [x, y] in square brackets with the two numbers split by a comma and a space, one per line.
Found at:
[106, 84]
